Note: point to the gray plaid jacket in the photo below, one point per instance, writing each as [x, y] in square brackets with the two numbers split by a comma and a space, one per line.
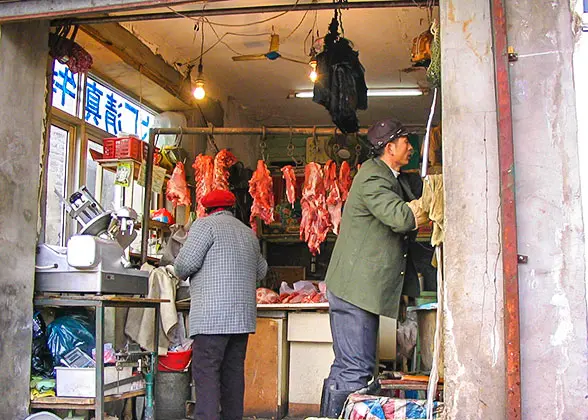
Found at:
[223, 261]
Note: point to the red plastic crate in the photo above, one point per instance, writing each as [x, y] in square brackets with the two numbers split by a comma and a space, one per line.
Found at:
[127, 148]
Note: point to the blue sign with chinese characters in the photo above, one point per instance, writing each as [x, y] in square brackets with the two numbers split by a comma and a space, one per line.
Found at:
[104, 107]
[65, 88]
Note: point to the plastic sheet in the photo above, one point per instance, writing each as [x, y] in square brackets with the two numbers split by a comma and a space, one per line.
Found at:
[41, 362]
[67, 332]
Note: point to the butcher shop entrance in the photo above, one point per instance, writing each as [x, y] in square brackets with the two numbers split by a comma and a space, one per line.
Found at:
[287, 153]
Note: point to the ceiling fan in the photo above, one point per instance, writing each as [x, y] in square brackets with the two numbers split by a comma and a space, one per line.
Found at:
[272, 54]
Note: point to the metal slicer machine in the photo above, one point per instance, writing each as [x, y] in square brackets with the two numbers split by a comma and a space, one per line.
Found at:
[94, 260]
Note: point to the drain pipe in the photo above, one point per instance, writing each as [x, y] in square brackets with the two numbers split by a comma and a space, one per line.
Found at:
[508, 211]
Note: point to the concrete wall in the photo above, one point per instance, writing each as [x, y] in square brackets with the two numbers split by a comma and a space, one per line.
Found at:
[473, 327]
[23, 56]
[549, 213]
[552, 284]
[246, 148]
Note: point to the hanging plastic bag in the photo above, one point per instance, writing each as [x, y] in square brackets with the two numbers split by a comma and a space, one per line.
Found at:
[68, 332]
[41, 362]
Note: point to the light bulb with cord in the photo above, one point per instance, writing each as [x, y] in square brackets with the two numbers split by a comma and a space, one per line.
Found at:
[199, 92]
[313, 74]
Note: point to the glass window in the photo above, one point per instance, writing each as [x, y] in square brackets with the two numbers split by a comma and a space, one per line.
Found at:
[114, 113]
[65, 88]
[56, 182]
[99, 181]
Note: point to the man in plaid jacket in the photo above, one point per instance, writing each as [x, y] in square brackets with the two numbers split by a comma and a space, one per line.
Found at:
[223, 261]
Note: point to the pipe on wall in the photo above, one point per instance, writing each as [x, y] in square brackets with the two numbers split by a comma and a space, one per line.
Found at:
[508, 222]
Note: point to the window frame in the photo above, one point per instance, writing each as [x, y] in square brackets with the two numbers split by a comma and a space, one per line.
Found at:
[80, 134]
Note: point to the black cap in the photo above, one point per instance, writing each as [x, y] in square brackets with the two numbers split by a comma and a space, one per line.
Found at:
[385, 131]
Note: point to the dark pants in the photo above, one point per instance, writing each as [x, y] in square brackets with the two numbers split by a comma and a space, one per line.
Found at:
[355, 337]
[218, 369]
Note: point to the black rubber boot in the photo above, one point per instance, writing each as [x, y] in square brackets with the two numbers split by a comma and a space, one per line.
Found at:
[324, 398]
[334, 401]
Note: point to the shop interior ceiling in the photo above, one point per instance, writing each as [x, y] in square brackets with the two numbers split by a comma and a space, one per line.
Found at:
[383, 37]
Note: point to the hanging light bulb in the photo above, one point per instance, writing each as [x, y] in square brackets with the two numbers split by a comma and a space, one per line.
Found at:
[199, 92]
[313, 75]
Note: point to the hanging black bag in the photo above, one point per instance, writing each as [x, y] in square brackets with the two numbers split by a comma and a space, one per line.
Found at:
[340, 86]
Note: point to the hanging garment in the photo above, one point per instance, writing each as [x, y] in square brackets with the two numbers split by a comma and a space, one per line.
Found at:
[433, 203]
[340, 86]
[140, 322]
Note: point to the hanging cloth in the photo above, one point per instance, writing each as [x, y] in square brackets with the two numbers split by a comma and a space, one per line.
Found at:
[340, 86]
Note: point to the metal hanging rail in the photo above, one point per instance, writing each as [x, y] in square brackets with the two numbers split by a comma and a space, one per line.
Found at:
[242, 11]
[211, 131]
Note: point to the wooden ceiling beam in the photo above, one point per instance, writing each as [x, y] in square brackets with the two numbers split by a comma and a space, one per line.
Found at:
[136, 54]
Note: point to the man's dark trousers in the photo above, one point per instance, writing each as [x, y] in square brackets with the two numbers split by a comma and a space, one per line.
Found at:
[355, 337]
[218, 369]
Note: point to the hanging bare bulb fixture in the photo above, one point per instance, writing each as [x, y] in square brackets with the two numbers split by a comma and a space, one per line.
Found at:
[313, 75]
[199, 92]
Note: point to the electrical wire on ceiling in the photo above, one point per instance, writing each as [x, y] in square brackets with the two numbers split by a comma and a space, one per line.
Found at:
[238, 25]
[199, 20]
[311, 33]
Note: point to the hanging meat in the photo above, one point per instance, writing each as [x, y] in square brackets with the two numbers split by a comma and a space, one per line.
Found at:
[262, 191]
[315, 223]
[222, 162]
[177, 190]
[344, 180]
[334, 201]
[203, 175]
[290, 177]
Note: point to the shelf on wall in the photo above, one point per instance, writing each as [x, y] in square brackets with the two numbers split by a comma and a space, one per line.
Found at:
[79, 403]
[293, 238]
[155, 224]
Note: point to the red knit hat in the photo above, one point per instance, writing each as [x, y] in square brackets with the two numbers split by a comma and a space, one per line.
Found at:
[218, 198]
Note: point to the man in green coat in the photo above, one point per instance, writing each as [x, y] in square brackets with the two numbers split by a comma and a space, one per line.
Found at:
[370, 267]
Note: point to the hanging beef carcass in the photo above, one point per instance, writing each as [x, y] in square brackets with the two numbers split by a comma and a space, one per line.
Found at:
[340, 86]
[222, 162]
[204, 175]
[177, 190]
[262, 191]
[334, 201]
[344, 180]
[290, 177]
[315, 223]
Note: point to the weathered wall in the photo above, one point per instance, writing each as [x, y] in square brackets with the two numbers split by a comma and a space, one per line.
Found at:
[549, 214]
[473, 327]
[550, 231]
[246, 148]
[22, 80]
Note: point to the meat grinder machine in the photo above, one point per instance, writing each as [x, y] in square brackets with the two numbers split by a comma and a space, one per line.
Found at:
[94, 260]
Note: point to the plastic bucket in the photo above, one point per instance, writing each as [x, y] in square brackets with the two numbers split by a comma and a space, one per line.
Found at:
[175, 361]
